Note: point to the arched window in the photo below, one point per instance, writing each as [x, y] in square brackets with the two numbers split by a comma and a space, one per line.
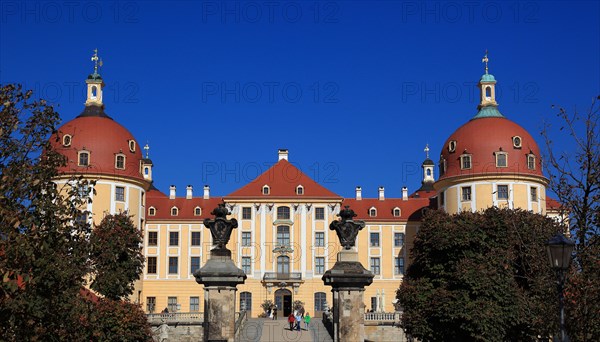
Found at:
[283, 213]
[245, 301]
[266, 190]
[299, 190]
[396, 212]
[197, 211]
[66, 140]
[146, 170]
[174, 211]
[283, 266]
[372, 212]
[94, 92]
[488, 92]
[428, 172]
[283, 235]
[320, 300]
[151, 211]
[120, 162]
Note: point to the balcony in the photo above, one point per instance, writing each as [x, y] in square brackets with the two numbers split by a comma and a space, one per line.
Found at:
[274, 276]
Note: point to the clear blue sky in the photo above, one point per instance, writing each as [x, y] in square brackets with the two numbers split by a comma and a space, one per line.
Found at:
[353, 89]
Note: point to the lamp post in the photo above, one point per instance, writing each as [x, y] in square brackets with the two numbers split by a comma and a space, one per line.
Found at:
[559, 253]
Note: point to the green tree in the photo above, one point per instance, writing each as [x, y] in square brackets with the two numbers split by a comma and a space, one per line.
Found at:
[479, 277]
[573, 168]
[117, 258]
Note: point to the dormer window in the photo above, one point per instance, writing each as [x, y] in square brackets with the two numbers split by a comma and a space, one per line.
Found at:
[174, 211]
[396, 212]
[531, 161]
[373, 212]
[120, 162]
[84, 158]
[465, 161]
[266, 190]
[501, 159]
[131, 145]
[299, 190]
[66, 140]
[197, 211]
[452, 146]
[151, 211]
[517, 142]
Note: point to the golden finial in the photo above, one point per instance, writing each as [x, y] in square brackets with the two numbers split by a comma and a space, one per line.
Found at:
[147, 148]
[97, 61]
[485, 60]
[427, 150]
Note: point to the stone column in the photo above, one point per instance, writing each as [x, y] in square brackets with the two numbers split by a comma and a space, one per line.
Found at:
[220, 277]
[348, 279]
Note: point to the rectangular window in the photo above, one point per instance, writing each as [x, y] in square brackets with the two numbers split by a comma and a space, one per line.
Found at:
[502, 191]
[173, 265]
[374, 239]
[398, 265]
[246, 213]
[501, 159]
[319, 239]
[398, 239]
[120, 193]
[195, 238]
[283, 235]
[466, 193]
[194, 264]
[151, 265]
[283, 213]
[152, 238]
[319, 213]
[150, 304]
[84, 159]
[319, 265]
[246, 265]
[375, 266]
[531, 162]
[173, 238]
[172, 304]
[533, 194]
[194, 304]
[465, 161]
[246, 239]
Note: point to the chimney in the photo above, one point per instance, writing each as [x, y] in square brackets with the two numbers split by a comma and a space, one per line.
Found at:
[283, 154]
[206, 192]
[188, 192]
[172, 192]
[381, 193]
[404, 193]
[358, 193]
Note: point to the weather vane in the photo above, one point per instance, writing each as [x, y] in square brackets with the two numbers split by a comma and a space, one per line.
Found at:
[147, 148]
[485, 60]
[426, 150]
[97, 61]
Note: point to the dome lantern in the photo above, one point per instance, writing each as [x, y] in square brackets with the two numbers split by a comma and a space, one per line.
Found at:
[95, 84]
[488, 107]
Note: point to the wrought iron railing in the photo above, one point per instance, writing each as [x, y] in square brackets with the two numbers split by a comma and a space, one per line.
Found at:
[282, 276]
[180, 317]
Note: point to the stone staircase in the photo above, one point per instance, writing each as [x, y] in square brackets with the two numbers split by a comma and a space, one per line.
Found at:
[318, 331]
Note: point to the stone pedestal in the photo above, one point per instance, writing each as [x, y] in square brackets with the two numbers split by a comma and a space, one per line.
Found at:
[220, 277]
[348, 279]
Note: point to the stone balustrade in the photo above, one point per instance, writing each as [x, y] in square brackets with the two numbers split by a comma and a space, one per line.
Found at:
[383, 316]
[179, 317]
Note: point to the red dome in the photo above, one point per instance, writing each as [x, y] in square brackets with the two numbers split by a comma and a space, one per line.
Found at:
[482, 138]
[104, 139]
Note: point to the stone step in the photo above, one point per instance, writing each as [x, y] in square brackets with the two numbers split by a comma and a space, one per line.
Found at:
[318, 331]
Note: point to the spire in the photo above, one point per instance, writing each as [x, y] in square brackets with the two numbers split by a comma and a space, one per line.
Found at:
[488, 107]
[428, 166]
[95, 83]
[426, 151]
[147, 148]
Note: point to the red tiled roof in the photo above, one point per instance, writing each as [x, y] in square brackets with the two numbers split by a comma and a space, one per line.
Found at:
[410, 209]
[186, 207]
[282, 178]
[552, 204]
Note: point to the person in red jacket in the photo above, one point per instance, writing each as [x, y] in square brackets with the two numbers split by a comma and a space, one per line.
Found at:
[292, 321]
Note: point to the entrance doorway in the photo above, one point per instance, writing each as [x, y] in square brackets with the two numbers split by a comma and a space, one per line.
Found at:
[283, 300]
